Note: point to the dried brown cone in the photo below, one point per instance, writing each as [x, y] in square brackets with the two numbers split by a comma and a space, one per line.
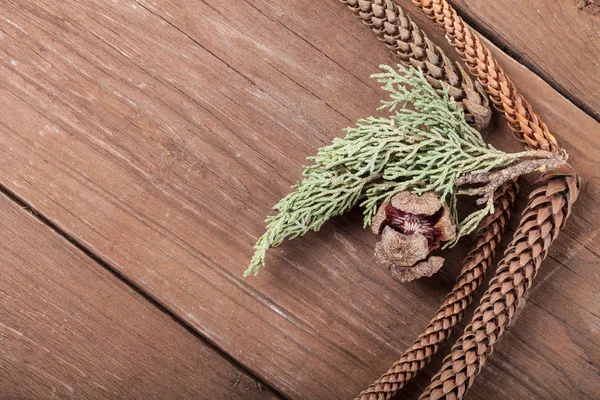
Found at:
[546, 213]
[411, 227]
[521, 118]
[450, 312]
[404, 38]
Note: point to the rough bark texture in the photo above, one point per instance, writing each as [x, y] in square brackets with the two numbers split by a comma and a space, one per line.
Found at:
[493, 180]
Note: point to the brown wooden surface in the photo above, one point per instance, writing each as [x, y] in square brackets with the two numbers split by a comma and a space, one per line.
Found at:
[558, 39]
[69, 329]
[159, 135]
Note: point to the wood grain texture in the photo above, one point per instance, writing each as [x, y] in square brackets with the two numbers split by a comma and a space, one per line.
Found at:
[69, 329]
[159, 135]
[558, 39]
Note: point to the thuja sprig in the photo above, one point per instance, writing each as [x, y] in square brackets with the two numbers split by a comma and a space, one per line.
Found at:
[424, 145]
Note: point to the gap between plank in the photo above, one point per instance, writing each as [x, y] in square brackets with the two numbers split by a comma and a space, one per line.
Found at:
[133, 286]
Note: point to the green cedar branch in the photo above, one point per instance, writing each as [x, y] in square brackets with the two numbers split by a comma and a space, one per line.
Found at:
[424, 145]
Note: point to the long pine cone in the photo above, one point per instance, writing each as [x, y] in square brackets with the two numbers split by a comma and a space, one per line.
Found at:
[450, 312]
[546, 213]
[404, 38]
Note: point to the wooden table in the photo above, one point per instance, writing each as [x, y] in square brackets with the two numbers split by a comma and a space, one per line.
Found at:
[143, 143]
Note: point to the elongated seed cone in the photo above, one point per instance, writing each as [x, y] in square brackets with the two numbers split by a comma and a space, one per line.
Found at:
[409, 43]
[546, 213]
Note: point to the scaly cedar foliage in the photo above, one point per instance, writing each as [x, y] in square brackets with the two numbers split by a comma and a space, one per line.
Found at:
[423, 145]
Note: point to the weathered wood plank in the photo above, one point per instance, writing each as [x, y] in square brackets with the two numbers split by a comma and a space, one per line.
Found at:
[160, 134]
[559, 39]
[69, 329]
